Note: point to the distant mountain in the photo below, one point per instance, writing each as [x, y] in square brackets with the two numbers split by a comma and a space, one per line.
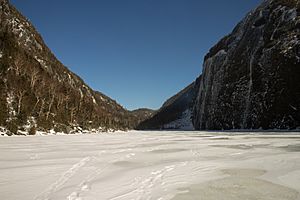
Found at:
[175, 112]
[251, 78]
[39, 93]
[142, 114]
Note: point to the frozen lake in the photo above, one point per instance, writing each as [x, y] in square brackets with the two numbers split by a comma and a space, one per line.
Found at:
[151, 166]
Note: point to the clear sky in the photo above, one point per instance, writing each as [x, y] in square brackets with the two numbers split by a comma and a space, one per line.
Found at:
[138, 52]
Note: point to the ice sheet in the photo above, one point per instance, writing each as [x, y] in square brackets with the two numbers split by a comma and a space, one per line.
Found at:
[150, 166]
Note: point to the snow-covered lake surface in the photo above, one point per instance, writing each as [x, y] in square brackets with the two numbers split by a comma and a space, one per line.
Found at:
[151, 166]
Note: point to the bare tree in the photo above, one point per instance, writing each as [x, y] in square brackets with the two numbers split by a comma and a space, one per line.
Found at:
[52, 89]
[50, 106]
[60, 100]
[67, 99]
[80, 103]
[37, 102]
[72, 115]
[39, 94]
[18, 64]
[20, 96]
[42, 107]
[33, 77]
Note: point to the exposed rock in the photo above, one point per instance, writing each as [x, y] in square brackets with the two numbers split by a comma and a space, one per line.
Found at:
[251, 78]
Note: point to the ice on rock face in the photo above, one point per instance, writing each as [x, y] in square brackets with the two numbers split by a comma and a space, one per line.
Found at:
[247, 87]
[183, 123]
[250, 85]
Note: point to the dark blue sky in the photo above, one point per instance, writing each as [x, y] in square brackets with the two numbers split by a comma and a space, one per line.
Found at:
[139, 52]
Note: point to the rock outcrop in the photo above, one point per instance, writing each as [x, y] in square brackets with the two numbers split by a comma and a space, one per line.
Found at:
[251, 78]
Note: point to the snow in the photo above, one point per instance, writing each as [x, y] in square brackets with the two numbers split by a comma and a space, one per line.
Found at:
[31, 122]
[42, 62]
[183, 123]
[150, 166]
[21, 28]
[94, 100]
[18, 28]
[102, 98]
[1, 54]
[3, 131]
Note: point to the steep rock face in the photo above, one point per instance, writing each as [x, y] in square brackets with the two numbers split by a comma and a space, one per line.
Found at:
[37, 91]
[251, 78]
[175, 112]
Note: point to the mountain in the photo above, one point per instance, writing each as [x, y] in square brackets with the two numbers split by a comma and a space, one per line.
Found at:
[251, 78]
[39, 92]
[175, 112]
[142, 114]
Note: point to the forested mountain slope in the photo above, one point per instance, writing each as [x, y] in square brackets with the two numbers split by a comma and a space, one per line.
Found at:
[39, 92]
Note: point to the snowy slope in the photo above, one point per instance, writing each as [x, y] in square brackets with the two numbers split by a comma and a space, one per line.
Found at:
[176, 112]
